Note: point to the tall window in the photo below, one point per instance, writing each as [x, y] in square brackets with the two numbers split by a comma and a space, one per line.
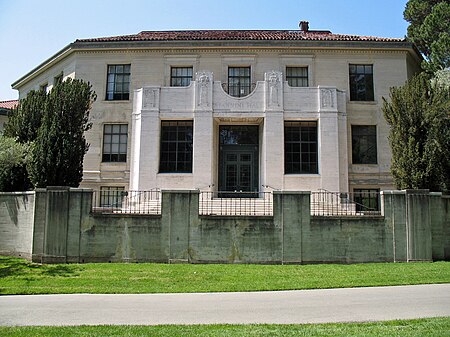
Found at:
[180, 76]
[115, 138]
[239, 82]
[300, 147]
[297, 76]
[118, 82]
[111, 196]
[361, 82]
[367, 199]
[176, 147]
[364, 144]
[58, 79]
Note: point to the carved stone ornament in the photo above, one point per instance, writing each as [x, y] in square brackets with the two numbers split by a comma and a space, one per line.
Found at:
[150, 98]
[327, 100]
[274, 80]
[204, 82]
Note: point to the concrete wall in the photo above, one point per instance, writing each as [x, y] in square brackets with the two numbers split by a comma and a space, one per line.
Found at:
[56, 225]
[16, 224]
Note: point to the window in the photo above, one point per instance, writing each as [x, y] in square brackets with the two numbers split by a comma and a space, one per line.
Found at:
[180, 76]
[118, 82]
[58, 79]
[297, 76]
[176, 147]
[115, 138]
[43, 87]
[300, 147]
[367, 199]
[361, 82]
[364, 144]
[239, 81]
[111, 196]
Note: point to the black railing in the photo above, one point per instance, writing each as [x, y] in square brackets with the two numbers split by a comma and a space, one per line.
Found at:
[126, 202]
[236, 203]
[326, 203]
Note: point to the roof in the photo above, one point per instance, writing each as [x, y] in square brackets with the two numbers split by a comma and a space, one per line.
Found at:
[249, 35]
[9, 104]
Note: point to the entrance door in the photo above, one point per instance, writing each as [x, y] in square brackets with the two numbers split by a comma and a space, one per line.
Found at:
[239, 161]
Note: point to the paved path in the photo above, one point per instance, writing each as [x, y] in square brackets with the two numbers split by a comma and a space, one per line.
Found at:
[305, 306]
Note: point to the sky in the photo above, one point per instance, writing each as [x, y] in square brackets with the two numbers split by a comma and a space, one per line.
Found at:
[32, 31]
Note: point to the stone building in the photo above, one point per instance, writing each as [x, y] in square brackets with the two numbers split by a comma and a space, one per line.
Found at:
[235, 110]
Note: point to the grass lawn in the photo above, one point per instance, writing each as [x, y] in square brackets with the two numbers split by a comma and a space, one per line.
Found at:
[18, 276]
[423, 327]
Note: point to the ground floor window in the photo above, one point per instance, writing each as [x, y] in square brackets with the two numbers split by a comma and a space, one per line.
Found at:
[176, 147]
[111, 196]
[300, 148]
[366, 199]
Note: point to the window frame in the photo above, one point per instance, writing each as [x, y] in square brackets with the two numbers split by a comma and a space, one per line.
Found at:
[366, 197]
[307, 162]
[58, 79]
[115, 89]
[360, 138]
[172, 144]
[365, 84]
[240, 87]
[115, 156]
[297, 77]
[184, 79]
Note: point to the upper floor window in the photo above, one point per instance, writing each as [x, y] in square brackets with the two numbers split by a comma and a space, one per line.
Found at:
[58, 79]
[297, 76]
[364, 144]
[361, 82]
[176, 147]
[118, 82]
[43, 87]
[300, 148]
[180, 76]
[115, 138]
[239, 81]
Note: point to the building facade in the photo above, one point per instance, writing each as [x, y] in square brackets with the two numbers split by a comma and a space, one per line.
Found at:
[236, 110]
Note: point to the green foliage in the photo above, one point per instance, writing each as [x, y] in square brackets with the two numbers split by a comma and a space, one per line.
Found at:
[25, 120]
[58, 151]
[429, 29]
[418, 114]
[13, 160]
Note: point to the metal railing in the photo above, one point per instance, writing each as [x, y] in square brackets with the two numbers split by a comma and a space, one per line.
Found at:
[325, 203]
[236, 203]
[127, 202]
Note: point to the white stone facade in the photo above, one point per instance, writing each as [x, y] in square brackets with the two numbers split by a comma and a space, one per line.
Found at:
[271, 103]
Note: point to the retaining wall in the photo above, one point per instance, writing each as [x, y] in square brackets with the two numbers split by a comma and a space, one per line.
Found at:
[56, 225]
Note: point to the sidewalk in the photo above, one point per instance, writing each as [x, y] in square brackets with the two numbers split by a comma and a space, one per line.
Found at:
[281, 307]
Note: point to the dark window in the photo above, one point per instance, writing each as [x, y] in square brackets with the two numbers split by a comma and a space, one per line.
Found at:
[239, 82]
[364, 144]
[176, 147]
[300, 147]
[111, 196]
[361, 82]
[115, 138]
[180, 76]
[118, 82]
[367, 199]
[58, 79]
[297, 76]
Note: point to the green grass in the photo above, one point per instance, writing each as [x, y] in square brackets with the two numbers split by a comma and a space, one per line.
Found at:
[423, 327]
[18, 276]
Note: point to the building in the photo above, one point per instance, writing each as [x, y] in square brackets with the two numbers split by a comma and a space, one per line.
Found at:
[5, 108]
[235, 110]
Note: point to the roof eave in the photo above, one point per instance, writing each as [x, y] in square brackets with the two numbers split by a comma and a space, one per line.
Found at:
[44, 65]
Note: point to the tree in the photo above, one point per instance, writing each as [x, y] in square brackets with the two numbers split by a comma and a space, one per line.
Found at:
[418, 115]
[13, 160]
[429, 29]
[58, 151]
[25, 120]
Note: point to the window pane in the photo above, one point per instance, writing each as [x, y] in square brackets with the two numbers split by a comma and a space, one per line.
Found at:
[118, 82]
[115, 139]
[361, 82]
[297, 76]
[364, 144]
[300, 147]
[176, 146]
[181, 76]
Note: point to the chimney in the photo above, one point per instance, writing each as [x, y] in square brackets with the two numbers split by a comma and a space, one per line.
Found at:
[304, 26]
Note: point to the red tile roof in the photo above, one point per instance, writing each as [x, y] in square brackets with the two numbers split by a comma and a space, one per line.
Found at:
[261, 35]
[9, 104]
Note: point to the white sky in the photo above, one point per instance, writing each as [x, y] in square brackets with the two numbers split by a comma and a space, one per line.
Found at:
[31, 31]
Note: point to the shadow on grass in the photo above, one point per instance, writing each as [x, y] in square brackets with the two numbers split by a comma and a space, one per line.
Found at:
[14, 267]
